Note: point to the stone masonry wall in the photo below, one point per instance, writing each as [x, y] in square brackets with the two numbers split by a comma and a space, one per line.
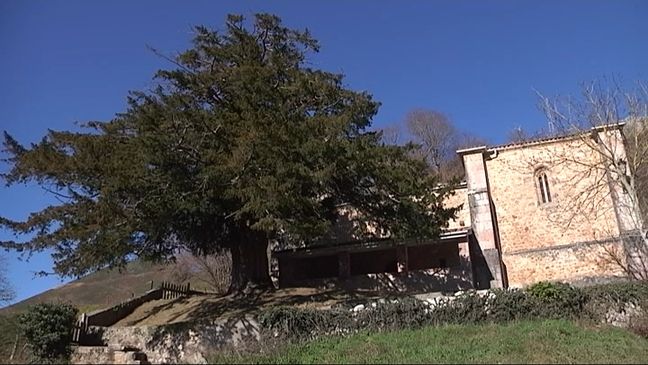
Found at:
[184, 342]
[460, 198]
[577, 213]
[342, 231]
[579, 263]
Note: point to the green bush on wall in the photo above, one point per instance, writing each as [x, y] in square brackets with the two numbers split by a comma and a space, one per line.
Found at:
[510, 305]
[544, 300]
[48, 328]
[557, 300]
[620, 292]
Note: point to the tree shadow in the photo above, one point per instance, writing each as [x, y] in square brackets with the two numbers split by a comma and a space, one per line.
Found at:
[465, 273]
[196, 308]
[482, 274]
[165, 305]
[451, 279]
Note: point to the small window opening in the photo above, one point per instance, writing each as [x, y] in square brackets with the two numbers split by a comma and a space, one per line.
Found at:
[543, 187]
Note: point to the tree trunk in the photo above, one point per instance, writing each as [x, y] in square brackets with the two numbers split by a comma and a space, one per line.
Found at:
[250, 268]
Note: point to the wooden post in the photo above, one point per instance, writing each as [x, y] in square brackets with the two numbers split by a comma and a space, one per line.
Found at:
[344, 265]
[466, 263]
[286, 271]
[13, 351]
[81, 328]
[75, 332]
[402, 259]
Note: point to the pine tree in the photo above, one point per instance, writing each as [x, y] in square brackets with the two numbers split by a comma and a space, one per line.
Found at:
[239, 143]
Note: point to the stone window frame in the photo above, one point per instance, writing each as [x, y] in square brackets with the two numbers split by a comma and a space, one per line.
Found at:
[544, 186]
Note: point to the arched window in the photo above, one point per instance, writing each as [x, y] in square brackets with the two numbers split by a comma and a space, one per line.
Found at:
[544, 192]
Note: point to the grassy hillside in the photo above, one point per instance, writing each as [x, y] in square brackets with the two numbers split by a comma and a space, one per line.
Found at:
[103, 288]
[98, 290]
[522, 342]
[9, 338]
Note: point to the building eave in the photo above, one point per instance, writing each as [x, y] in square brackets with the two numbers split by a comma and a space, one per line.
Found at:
[539, 141]
[355, 246]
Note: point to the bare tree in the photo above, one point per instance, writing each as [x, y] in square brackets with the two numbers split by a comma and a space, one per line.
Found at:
[391, 134]
[516, 135]
[468, 140]
[439, 140]
[612, 123]
[7, 292]
[636, 133]
[214, 271]
[435, 134]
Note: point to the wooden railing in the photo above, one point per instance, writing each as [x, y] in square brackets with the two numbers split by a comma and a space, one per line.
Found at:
[80, 328]
[173, 291]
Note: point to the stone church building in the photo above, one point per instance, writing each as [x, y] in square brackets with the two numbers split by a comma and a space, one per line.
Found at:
[530, 211]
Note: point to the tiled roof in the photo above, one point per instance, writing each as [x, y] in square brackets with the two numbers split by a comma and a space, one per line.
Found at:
[550, 139]
[534, 141]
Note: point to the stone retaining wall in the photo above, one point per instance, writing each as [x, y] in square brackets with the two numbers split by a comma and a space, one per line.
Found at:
[174, 343]
[191, 342]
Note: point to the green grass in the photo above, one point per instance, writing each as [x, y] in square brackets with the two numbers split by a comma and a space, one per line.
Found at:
[522, 342]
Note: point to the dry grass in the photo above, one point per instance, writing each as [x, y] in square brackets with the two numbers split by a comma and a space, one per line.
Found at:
[160, 312]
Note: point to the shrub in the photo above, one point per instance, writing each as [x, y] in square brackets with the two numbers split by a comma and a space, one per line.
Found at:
[390, 315]
[48, 330]
[557, 300]
[547, 290]
[543, 300]
[638, 322]
[501, 305]
[509, 305]
[296, 323]
[614, 297]
[620, 292]
[466, 308]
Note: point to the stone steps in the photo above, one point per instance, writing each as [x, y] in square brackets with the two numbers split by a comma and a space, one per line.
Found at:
[107, 355]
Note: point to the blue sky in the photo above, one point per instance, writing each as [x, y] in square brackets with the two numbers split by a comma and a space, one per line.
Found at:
[478, 62]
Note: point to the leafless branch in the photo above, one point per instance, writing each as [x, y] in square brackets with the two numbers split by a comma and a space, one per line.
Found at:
[607, 163]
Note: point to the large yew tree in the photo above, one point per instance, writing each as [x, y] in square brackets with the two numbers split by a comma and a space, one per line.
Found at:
[240, 143]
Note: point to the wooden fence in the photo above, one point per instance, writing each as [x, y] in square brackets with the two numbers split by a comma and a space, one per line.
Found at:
[173, 291]
[80, 328]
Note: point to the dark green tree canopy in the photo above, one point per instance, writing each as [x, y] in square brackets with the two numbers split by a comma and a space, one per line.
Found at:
[239, 143]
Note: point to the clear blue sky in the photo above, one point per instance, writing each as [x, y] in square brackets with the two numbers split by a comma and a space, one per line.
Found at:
[67, 61]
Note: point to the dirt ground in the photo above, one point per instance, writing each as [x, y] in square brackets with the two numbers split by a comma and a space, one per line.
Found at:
[165, 311]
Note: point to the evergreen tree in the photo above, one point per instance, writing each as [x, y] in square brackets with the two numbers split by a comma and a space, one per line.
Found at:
[239, 143]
